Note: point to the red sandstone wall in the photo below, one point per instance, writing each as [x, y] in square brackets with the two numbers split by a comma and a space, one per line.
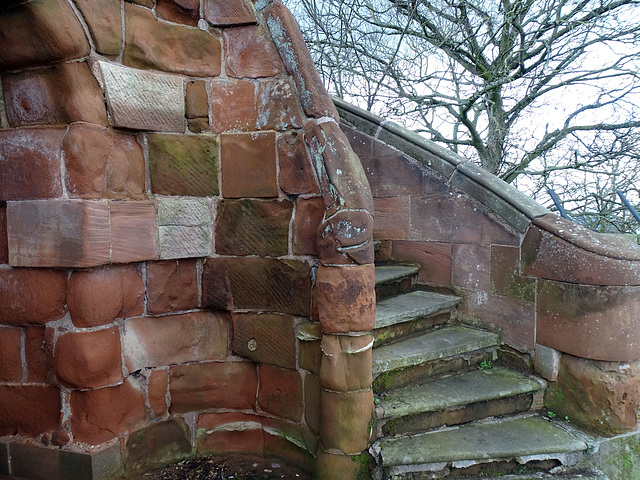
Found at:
[137, 139]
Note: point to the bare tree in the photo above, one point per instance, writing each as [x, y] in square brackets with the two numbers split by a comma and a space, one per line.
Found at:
[513, 84]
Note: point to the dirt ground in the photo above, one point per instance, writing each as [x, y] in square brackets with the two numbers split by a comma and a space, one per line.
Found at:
[227, 468]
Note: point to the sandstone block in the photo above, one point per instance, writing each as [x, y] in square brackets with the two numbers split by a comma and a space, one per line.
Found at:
[88, 359]
[183, 165]
[233, 432]
[277, 106]
[32, 296]
[312, 391]
[62, 94]
[346, 362]
[58, 233]
[233, 105]
[391, 218]
[280, 392]
[99, 415]
[55, 35]
[102, 163]
[310, 356]
[196, 99]
[30, 163]
[253, 227]
[174, 339]
[187, 212]
[37, 355]
[232, 12]
[154, 45]
[172, 285]
[250, 53]
[157, 389]
[198, 125]
[588, 321]
[99, 296]
[143, 100]
[390, 174]
[133, 231]
[346, 237]
[265, 338]
[600, 397]
[186, 12]
[346, 298]
[471, 266]
[343, 173]
[547, 362]
[434, 259]
[506, 279]
[296, 175]
[290, 43]
[10, 354]
[289, 441]
[257, 284]
[158, 445]
[308, 216]
[213, 385]
[330, 466]
[4, 248]
[105, 24]
[184, 241]
[248, 163]
[29, 410]
[346, 420]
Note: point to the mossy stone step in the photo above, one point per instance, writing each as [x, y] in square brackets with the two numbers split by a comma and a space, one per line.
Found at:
[456, 399]
[438, 344]
[393, 273]
[511, 438]
[410, 306]
[394, 280]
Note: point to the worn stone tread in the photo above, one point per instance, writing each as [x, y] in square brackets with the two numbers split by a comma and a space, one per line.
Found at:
[454, 391]
[409, 306]
[505, 439]
[438, 344]
[390, 273]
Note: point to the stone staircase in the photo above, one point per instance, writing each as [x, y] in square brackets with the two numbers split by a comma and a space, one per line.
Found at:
[445, 408]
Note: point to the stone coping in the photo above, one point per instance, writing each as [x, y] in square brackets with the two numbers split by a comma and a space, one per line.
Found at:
[452, 165]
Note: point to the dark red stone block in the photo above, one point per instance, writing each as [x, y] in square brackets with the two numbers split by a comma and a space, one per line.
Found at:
[265, 338]
[280, 392]
[55, 35]
[308, 216]
[346, 237]
[32, 296]
[105, 24]
[391, 218]
[392, 175]
[434, 259]
[4, 247]
[30, 163]
[158, 445]
[10, 354]
[37, 355]
[233, 432]
[229, 12]
[89, 359]
[98, 416]
[97, 297]
[257, 284]
[233, 106]
[277, 105]
[62, 94]
[102, 163]
[196, 99]
[471, 266]
[248, 164]
[186, 12]
[296, 176]
[134, 231]
[29, 410]
[253, 227]
[213, 385]
[172, 286]
[157, 389]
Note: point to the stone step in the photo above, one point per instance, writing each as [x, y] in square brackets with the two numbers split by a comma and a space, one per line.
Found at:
[415, 359]
[411, 313]
[456, 399]
[394, 279]
[518, 440]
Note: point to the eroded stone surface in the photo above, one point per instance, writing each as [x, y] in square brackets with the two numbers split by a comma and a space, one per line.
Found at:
[346, 298]
[172, 286]
[174, 339]
[232, 432]
[55, 35]
[105, 24]
[308, 217]
[157, 445]
[346, 362]
[151, 44]
[248, 163]
[61, 94]
[280, 392]
[89, 359]
[345, 420]
[30, 163]
[10, 354]
[296, 176]
[32, 296]
[29, 410]
[250, 53]
[186, 12]
[230, 12]
[97, 297]
[143, 100]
